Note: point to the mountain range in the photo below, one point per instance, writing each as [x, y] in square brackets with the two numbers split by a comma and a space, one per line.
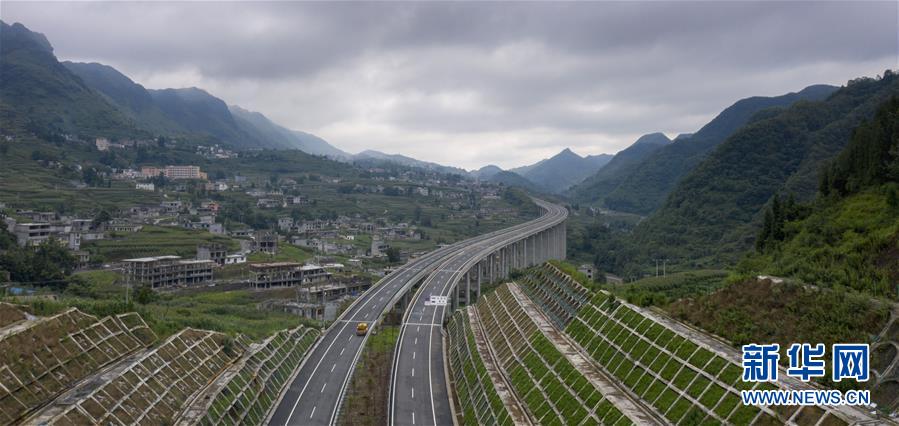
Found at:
[39, 93]
[97, 100]
[609, 176]
[559, 172]
[644, 187]
[715, 209]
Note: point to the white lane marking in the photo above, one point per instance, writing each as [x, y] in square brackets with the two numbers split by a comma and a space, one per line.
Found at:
[413, 371]
[350, 337]
[323, 388]
[413, 393]
[332, 367]
[416, 341]
[417, 329]
[312, 413]
[341, 351]
[413, 354]
[413, 418]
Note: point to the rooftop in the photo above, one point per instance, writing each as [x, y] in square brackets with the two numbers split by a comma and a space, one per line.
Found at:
[152, 259]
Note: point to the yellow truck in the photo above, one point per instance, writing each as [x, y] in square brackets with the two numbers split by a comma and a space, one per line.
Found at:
[361, 328]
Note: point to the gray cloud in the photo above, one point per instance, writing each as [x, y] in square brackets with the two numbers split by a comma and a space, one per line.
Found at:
[475, 83]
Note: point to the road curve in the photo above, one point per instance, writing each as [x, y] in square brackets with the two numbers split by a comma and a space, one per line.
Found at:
[315, 393]
[418, 391]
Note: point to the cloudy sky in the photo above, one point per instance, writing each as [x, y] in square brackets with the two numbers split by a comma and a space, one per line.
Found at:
[468, 84]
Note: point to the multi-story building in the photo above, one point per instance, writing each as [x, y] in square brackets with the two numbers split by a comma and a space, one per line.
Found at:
[173, 172]
[151, 172]
[378, 247]
[168, 271]
[265, 242]
[171, 206]
[184, 172]
[32, 233]
[286, 274]
[285, 223]
[212, 251]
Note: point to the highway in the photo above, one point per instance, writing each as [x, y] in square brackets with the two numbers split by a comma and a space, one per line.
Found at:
[419, 391]
[315, 393]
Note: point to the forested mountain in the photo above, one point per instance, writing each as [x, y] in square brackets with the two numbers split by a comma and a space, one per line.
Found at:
[42, 95]
[513, 179]
[93, 100]
[315, 145]
[486, 172]
[608, 177]
[645, 188]
[849, 236]
[713, 213]
[130, 98]
[561, 171]
[373, 157]
[599, 160]
[255, 122]
[199, 112]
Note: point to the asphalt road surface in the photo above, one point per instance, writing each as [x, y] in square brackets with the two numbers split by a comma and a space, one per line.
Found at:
[419, 393]
[315, 393]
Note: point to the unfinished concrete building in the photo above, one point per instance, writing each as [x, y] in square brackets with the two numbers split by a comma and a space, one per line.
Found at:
[168, 271]
[212, 251]
[266, 242]
[286, 274]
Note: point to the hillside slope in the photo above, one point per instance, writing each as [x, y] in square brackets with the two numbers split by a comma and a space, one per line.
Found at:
[39, 93]
[193, 112]
[604, 181]
[130, 98]
[645, 189]
[561, 171]
[512, 179]
[372, 156]
[255, 122]
[713, 213]
[849, 236]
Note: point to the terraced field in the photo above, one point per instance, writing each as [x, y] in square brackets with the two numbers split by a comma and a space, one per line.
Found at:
[553, 390]
[473, 386]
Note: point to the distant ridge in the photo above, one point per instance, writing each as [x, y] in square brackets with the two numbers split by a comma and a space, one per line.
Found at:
[559, 172]
[613, 173]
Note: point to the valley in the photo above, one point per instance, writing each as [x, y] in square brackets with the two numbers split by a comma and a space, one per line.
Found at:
[169, 257]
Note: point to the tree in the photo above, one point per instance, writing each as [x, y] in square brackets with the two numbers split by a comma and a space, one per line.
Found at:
[393, 255]
[102, 217]
[49, 264]
[144, 295]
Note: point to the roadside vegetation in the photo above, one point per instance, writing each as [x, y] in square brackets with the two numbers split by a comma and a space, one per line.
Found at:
[102, 293]
[661, 290]
[366, 398]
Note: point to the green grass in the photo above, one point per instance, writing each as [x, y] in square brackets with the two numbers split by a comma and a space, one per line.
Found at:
[851, 243]
[155, 241]
[233, 312]
[366, 398]
[572, 271]
[664, 289]
[286, 253]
